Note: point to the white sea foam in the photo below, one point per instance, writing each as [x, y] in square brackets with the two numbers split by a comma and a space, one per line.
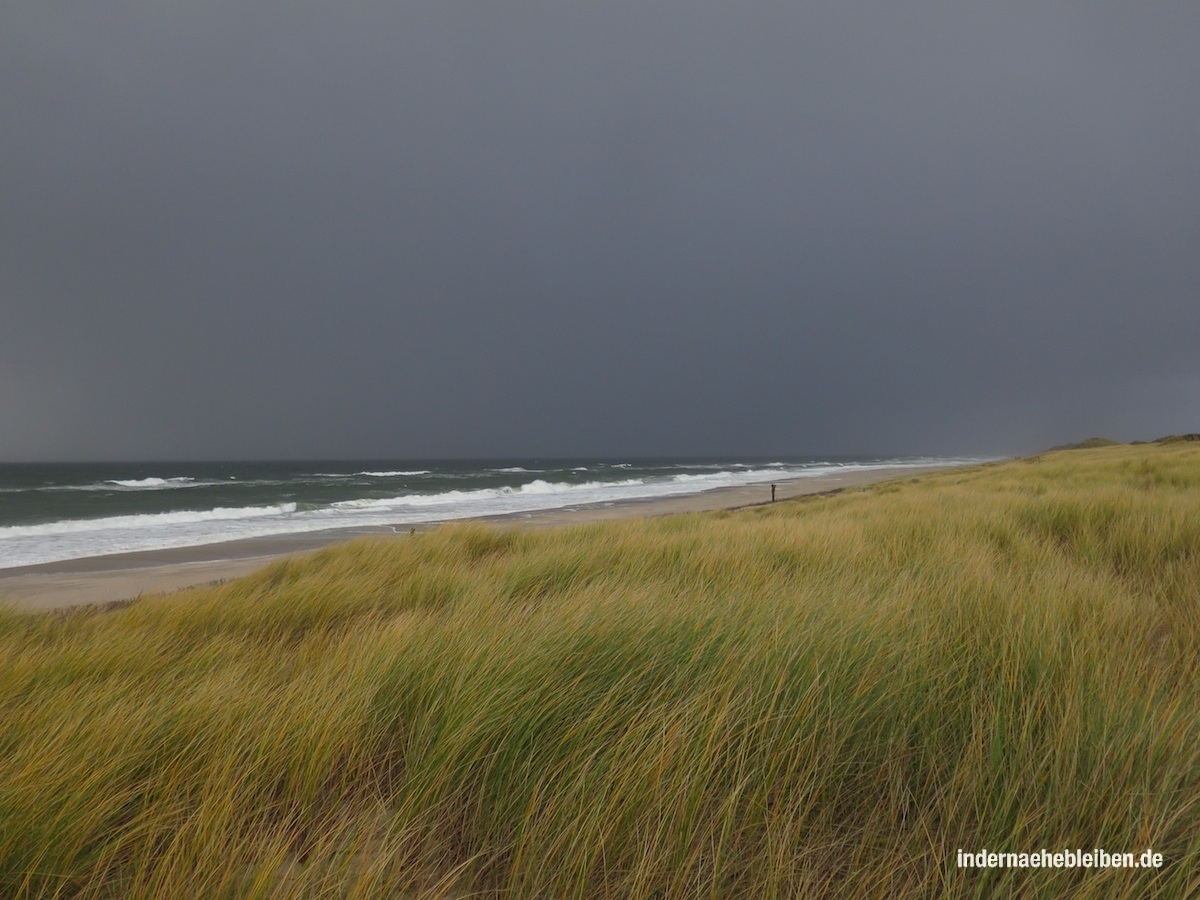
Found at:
[151, 483]
[516, 470]
[146, 520]
[395, 474]
[138, 484]
[486, 498]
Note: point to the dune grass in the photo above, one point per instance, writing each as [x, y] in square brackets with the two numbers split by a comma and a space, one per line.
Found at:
[826, 697]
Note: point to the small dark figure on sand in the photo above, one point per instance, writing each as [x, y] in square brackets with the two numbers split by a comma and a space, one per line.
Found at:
[772, 493]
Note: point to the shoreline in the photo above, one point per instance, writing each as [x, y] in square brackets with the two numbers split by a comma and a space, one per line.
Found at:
[123, 577]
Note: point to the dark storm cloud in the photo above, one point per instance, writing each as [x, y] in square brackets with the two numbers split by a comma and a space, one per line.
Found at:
[539, 228]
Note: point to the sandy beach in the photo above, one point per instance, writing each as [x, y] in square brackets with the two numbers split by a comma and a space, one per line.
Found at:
[118, 577]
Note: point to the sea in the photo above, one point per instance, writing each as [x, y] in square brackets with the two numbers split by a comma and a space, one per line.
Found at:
[61, 511]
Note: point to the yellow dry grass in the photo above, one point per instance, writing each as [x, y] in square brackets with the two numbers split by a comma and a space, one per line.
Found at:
[821, 698]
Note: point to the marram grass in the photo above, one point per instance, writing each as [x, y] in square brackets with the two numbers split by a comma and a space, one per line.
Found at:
[821, 698]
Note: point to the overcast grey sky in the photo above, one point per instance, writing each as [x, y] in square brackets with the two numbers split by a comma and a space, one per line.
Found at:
[642, 227]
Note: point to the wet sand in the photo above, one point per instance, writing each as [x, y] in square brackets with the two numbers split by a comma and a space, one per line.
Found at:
[107, 579]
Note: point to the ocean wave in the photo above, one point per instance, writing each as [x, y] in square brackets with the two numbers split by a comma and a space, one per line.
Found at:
[149, 483]
[480, 496]
[395, 474]
[537, 486]
[132, 484]
[400, 474]
[145, 520]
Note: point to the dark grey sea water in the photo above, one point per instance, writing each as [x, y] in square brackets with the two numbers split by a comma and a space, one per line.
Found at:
[58, 511]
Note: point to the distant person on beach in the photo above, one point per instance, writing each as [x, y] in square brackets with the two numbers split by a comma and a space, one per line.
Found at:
[772, 493]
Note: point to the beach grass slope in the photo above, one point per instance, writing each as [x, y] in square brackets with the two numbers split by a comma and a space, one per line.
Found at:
[827, 697]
